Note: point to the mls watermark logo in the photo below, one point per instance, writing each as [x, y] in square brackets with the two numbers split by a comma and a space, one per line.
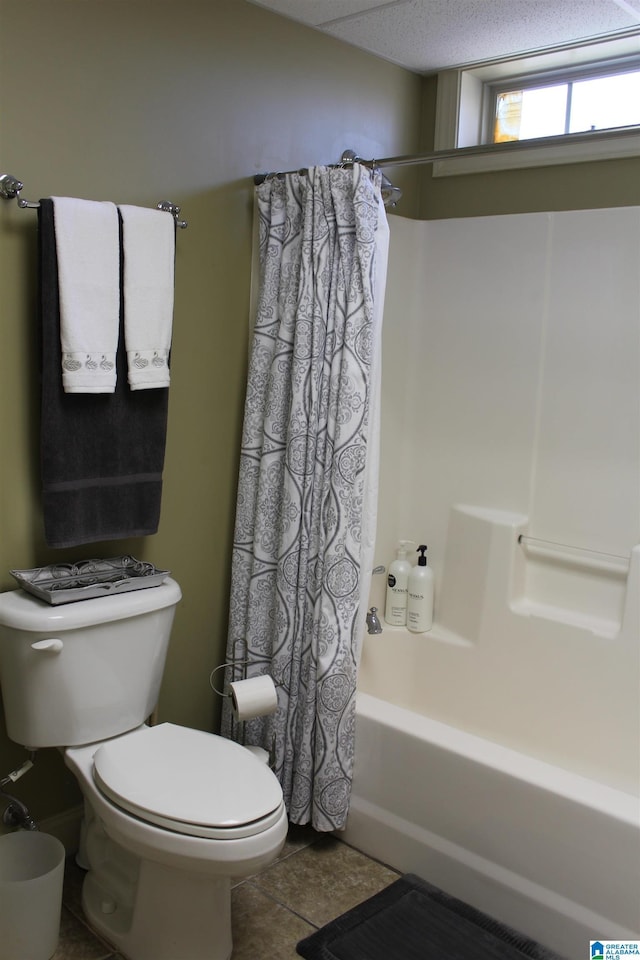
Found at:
[613, 949]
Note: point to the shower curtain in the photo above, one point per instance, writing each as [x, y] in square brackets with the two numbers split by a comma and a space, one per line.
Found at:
[306, 505]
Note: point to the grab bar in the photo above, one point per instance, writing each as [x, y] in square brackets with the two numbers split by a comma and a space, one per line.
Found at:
[578, 556]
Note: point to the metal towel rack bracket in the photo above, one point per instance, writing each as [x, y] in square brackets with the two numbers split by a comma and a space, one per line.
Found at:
[11, 187]
[174, 211]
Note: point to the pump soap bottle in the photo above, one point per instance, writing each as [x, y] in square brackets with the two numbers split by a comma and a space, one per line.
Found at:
[395, 610]
[420, 595]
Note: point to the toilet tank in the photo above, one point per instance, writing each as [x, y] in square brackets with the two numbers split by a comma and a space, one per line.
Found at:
[83, 671]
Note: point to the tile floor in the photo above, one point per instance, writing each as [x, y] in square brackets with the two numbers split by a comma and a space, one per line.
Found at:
[315, 879]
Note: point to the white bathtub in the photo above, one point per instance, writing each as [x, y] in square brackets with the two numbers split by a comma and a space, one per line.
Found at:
[548, 851]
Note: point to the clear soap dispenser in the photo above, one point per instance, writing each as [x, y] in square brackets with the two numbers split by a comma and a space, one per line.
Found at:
[420, 595]
[395, 610]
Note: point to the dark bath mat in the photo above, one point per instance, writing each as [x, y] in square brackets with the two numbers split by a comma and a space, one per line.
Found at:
[413, 920]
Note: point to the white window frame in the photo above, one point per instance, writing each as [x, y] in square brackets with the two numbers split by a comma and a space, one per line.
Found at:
[464, 95]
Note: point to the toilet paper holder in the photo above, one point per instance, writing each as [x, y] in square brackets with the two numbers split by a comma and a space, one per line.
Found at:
[223, 666]
[238, 671]
[238, 667]
[235, 663]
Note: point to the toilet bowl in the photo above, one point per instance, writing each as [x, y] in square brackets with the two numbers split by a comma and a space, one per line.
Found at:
[172, 814]
[161, 848]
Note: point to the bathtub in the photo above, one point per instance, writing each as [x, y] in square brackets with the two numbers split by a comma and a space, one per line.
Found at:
[543, 849]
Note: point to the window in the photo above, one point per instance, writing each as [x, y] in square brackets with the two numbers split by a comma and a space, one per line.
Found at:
[590, 94]
[550, 109]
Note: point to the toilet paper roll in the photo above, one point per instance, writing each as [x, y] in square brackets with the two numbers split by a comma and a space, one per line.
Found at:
[253, 698]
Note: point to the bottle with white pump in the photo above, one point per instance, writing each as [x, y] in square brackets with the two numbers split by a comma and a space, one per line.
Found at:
[420, 595]
[395, 610]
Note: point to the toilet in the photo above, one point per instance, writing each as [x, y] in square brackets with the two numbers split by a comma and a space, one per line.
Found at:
[171, 814]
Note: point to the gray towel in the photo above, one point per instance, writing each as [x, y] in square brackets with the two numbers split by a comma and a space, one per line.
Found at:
[102, 455]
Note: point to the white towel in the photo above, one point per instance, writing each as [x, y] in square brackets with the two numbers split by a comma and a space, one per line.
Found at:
[88, 251]
[148, 240]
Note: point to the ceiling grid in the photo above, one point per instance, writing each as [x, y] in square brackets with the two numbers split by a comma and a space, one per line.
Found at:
[426, 36]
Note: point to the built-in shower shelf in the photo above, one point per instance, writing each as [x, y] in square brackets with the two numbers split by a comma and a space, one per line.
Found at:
[403, 634]
[599, 626]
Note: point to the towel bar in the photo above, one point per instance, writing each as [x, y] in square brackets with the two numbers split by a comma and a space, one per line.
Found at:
[10, 188]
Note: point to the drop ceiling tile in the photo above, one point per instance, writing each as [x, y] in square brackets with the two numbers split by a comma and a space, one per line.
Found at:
[426, 36]
[316, 12]
[631, 6]
[429, 35]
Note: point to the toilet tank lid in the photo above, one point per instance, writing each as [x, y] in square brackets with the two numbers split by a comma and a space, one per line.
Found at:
[22, 611]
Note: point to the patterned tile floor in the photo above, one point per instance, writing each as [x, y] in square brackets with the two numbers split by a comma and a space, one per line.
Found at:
[315, 879]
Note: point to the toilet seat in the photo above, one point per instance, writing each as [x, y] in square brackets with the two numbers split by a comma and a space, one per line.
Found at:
[189, 782]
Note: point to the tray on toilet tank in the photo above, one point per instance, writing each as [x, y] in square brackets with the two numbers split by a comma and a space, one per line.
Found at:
[68, 582]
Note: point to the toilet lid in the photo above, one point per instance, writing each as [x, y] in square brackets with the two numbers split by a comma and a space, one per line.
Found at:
[189, 781]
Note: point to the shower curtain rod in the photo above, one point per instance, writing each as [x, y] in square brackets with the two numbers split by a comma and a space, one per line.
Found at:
[349, 156]
[10, 188]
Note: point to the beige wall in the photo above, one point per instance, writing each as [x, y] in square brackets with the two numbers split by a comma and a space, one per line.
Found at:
[573, 186]
[137, 101]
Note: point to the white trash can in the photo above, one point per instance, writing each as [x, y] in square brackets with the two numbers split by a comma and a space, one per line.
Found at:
[31, 877]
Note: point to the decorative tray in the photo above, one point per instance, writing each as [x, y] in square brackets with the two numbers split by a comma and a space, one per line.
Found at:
[66, 582]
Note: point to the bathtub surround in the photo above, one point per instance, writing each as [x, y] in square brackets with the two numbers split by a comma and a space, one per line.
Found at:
[305, 516]
[102, 455]
[525, 334]
[519, 711]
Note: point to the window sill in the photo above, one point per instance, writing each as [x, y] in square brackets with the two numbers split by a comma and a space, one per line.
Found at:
[605, 145]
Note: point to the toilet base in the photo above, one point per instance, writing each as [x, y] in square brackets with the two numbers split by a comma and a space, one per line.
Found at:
[177, 915]
[155, 894]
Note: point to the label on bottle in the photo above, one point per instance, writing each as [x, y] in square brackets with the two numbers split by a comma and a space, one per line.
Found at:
[399, 593]
[396, 604]
[419, 608]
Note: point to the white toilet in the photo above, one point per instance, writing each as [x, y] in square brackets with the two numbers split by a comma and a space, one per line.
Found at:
[171, 814]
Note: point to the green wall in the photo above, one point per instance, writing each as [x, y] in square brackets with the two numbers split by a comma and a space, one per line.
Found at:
[571, 186]
[138, 101]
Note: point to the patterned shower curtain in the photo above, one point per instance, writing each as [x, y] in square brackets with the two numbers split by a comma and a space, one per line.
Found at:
[305, 520]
